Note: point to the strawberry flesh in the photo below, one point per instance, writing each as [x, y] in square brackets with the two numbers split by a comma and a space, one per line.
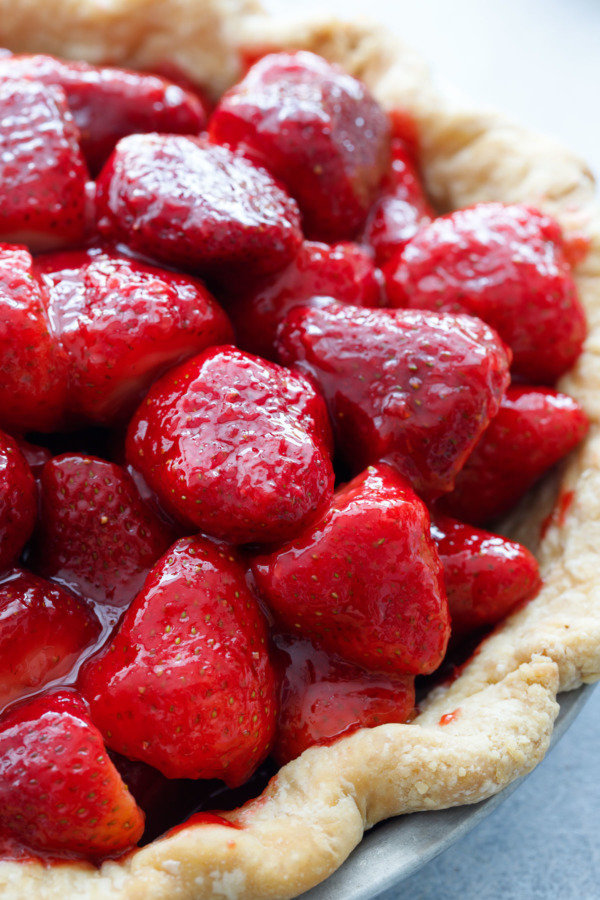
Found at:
[365, 580]
[196, 206]
[507, 265]
[59, 790]
[413, 387]
[18, 501]
[317, 129]
[235, 446]
[323, 697]
[186, 685]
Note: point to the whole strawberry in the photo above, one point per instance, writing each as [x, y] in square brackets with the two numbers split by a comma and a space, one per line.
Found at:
[42, 171]
[365, 580]
[96, 535]
[186, 684]
[322, 697]
[33, 365]
[108, 104]
[534, 429]
[122, 324]
[43, 630]
[409, 386]
[507, 265]
[59, 791]
[317, 129]
[18, 501]
[485, 575]
[235, 446]
[196, 206]
[344, 271]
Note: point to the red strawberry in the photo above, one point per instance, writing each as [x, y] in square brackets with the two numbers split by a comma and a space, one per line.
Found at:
[95, 535]
[42, 171]
[411, 386]
[317, 129]
[485, 575]
[343, 271]
[196, 206]
[323, 697]
[108, 103]
[122, 324]
[507, 265]
[365, 580]
[18, 501]
[535, 428]
[59, 790]
[235, 446]
[43, 629]
[186, 684]
[401, 209]
[33, 366]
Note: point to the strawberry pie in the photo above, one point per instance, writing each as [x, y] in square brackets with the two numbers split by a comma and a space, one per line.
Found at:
[299, 483]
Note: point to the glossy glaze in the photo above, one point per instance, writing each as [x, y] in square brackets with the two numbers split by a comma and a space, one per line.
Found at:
[186, 684]
[235, 446]
[18, 501]
[413, 387]
[317, 129]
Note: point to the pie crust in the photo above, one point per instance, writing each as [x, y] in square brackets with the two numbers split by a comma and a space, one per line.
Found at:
[315, 811]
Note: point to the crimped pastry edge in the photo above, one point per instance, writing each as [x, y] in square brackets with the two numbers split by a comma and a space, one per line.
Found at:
[315, 811]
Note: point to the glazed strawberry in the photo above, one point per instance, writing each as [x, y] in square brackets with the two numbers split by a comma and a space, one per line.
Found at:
[344, 271]
[95, 534]
[365, 580]
[59, 790]
[42, 171]
[33, 367]
[323, 697]
[401, 209]
[235, 446]
[196, 206]
[414, 387]
[18, 501]
[43, 629]
[505, 264]
[317, 129]
[534, 429]
[108, 104]
[186, 684]
[485, 575]
[122, 324]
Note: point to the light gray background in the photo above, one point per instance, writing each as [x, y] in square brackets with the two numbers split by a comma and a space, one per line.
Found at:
[539, 60]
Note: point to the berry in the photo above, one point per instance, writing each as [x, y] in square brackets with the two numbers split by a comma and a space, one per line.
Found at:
[18, 501]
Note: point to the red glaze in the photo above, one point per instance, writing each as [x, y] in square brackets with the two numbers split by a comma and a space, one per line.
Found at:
[96, 536]
[344, 271]
[365, 580]
[450, 717]
[67, 795]
[505, 264]
[323, 697]
[202, 818]
[36, 456]
[122, 324]
[196, 206]
[18, 501]
[401, 209]
[235, 446]
[414, 387]
[317, 129]
[42, 171]
[43, 629]
[186, 684]
[108, 104]
[535, 428]
[485, 575]
[27, 346]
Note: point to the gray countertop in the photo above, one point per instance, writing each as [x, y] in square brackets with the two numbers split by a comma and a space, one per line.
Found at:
[539, 61]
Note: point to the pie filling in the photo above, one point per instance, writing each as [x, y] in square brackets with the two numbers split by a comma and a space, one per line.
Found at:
[260, 405]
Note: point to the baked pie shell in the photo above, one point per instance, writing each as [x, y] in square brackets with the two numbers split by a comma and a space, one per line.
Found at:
[315, 811]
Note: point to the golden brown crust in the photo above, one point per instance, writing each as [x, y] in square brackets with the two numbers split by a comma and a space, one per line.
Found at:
[314, 813]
